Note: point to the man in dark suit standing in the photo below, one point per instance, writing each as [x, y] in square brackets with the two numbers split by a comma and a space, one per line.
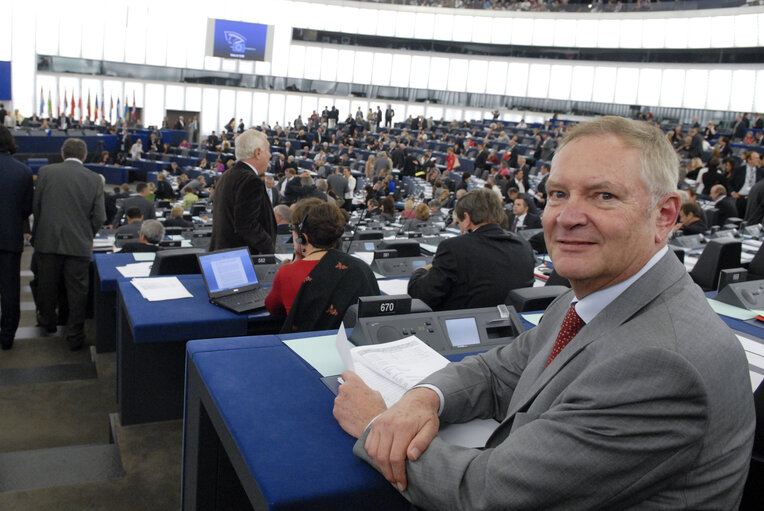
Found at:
[389, 114]
[242, 212]
[68, 210]
[743, 179]
[137, 200]
[16, 188]
[180, 124]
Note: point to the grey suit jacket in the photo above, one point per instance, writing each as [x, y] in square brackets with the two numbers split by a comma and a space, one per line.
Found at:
[649, 407]
[68, 209]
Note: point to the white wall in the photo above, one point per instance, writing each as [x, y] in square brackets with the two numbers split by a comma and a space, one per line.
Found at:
[173, 34]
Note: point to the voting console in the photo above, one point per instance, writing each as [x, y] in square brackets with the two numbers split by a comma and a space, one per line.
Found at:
[447, 332]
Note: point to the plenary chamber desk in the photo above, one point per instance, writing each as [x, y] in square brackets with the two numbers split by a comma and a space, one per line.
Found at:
[151, 346]
[259, 432]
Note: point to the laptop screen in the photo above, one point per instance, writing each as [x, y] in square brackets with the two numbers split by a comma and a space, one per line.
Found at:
[228, 269]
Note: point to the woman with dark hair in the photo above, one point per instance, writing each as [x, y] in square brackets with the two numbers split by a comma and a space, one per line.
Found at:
[388, 209]
[317, 287]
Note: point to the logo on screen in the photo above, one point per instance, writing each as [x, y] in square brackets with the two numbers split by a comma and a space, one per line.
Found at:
[237, 41]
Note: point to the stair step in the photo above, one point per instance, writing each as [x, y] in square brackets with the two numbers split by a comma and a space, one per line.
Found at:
[47, 374]
[59, 466]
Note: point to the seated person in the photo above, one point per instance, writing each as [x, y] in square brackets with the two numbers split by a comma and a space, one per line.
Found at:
[164, 189]
[388, 209]
[133, 225]
[478, 268]
[408, 209]
[421, 218]
[283, 216]
[521, 217]
[435, 214]
[190, 198]
[318, 286]
[152, 232]
[690, 220]
[176, 218]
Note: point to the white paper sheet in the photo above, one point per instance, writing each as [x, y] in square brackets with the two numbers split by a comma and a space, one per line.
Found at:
[366, 257]
[155, 289]
[135, 269]
[393, 286]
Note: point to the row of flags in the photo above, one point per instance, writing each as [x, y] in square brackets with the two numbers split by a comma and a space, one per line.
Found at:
[126, 111]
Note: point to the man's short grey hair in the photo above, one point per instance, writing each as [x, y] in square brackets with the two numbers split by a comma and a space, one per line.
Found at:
[284, 212]
[74, 148]
[306, 181]
[322, 185]
[658, 160]
[268, 179]
[153, 231]
[248, 142]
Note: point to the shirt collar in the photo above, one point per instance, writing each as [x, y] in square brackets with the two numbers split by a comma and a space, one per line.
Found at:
[250, 166]
[74, 159]
[591, 305]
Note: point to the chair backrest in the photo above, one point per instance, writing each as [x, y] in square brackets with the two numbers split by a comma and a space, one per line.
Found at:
[181, 261]
[756, 268]
[719, 254]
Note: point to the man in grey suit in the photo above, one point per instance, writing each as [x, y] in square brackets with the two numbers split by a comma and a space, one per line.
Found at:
[630, 394]
[68, 210]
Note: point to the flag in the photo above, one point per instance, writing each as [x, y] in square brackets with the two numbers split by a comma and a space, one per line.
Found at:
[111, 105]
[66, 103]
[42, 102]
[95, 118]
[125, 116]
[88, 104]
[133, 112]
[80, 107]
[50, 106]
[58, 106]
[119, 112]
[73, 104]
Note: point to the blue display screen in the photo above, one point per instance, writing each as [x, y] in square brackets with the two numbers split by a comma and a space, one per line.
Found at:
[228, 270]
[240, 40]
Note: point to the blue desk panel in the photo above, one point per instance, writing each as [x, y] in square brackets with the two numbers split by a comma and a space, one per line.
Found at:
[176, 320]
[105, 298]
[278, 414]
[52, 145]
[113, 174]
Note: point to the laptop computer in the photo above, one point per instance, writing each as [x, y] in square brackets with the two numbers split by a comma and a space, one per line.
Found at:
[231, 280]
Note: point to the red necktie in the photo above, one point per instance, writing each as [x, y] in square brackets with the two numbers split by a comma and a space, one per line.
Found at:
[570, 327]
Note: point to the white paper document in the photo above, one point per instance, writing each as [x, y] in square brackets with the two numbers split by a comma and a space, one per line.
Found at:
[135, 269]
[394, 286]
[366, 257]
[392, 368]
[155, 289]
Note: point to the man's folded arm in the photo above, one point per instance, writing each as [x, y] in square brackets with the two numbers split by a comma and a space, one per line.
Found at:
[600, 447]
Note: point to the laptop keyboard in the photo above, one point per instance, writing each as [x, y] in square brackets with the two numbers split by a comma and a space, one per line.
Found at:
[253, 296]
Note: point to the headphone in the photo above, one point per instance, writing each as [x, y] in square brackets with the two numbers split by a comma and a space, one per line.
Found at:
[300, 232]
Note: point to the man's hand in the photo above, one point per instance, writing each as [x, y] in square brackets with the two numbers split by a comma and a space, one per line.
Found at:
[356, 404]
[403, 431]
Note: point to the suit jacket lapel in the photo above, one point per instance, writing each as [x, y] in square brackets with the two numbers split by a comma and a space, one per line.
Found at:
[536, 375]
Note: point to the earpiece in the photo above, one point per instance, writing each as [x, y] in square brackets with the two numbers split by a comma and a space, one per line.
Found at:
[300, 235]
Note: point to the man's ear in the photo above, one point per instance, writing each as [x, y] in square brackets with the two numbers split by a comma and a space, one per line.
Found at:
[667, 215]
